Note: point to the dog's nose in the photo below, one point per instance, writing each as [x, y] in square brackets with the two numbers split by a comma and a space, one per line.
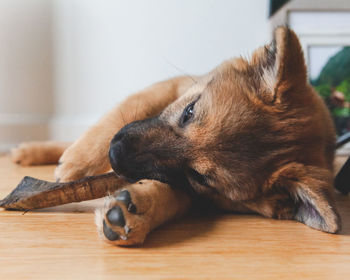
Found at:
[115, 154]
[119, 136]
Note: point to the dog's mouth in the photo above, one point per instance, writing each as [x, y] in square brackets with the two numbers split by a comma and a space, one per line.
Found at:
[136, 175]
[183, 178]
[126, 178]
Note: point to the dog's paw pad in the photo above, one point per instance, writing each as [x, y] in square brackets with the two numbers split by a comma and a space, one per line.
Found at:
[109, 233]
[119, 223]
[125, 198]
[115, 216]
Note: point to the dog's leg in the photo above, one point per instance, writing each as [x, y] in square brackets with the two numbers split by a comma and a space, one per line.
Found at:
[89, 154]
[303, 193]
[130, 214]
[38, 153]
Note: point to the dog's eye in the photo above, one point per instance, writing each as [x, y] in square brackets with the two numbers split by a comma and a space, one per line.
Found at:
[187, 114]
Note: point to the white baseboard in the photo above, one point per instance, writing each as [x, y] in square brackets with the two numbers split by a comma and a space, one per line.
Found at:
[5, 148]
[15, 129]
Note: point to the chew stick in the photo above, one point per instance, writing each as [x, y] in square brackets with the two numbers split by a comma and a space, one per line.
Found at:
[33, 193]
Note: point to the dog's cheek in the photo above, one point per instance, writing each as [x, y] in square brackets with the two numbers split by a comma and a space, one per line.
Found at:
[277, 205]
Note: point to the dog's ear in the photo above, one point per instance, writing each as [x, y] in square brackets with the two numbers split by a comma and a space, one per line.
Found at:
[316, 208]
[280, 66]
[311, 188]
[304, 194]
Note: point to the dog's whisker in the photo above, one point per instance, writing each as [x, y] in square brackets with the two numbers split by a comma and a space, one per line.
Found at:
[181, 71]
[122, 116]
[136, 110]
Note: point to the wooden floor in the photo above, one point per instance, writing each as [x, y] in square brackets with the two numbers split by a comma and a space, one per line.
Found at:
[62, 243]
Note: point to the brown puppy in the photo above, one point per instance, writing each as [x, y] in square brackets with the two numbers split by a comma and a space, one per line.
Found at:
[249, 136]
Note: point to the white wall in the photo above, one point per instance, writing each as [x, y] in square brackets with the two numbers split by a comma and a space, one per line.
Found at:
[105, 50]
[25, 70]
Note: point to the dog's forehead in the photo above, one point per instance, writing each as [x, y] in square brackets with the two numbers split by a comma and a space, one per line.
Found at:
[225, 82]
[197, 88]
[173, 112]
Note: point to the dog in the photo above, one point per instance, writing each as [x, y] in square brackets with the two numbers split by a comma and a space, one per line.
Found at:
[250, 136]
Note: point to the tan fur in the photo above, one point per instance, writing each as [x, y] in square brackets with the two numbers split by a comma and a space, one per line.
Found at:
[261, 139]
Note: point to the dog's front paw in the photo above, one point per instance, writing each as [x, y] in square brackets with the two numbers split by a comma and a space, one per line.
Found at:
[69, 171]
[125, 219]
[79, 161]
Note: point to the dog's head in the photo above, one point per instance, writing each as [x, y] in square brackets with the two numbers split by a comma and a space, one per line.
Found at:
[231, 130]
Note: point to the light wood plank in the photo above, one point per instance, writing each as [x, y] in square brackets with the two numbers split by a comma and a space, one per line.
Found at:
[61, 243]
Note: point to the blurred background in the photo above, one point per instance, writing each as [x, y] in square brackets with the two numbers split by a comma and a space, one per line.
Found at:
[63, 63]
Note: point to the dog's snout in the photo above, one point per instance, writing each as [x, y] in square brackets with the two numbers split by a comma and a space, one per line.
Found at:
[115, 154]
[139, 149]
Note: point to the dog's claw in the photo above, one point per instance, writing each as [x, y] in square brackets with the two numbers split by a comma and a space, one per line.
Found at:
[122, 237]
[127, 229]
